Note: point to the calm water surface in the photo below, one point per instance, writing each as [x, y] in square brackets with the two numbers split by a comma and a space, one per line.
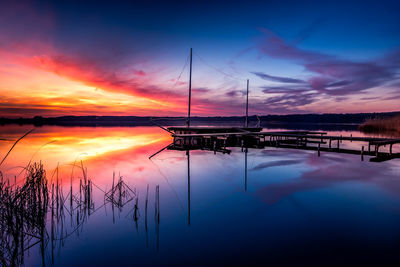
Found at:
[292, 207]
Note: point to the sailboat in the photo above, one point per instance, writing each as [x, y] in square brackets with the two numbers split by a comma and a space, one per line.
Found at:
[186, 133]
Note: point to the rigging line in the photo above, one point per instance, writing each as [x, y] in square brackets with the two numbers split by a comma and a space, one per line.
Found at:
[180, 74]
[217, 69]
[176, 82]
[173, 190]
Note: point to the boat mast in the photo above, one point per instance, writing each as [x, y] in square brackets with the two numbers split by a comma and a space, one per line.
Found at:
[190, 89]
[247, 106]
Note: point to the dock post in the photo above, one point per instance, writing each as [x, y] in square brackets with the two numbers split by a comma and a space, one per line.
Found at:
[369, 147]
[340, 138]
[215, 147]
[376, 150]
[390, 149]
[351, 137]
[362, 153]
[338, 141]
[330, 143]
[319, 146]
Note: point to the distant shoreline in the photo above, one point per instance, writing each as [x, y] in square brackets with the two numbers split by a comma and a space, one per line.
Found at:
[350, 119]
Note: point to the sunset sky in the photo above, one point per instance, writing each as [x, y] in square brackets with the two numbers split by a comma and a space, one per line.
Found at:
[131, 57]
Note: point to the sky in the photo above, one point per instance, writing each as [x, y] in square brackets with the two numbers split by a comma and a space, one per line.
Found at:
[131, 58]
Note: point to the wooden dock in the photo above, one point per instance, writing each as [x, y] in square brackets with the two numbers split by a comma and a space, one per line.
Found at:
[220, 139]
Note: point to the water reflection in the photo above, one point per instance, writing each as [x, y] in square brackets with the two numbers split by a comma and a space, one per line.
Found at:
[37, 214]
[241, 207]
[188, 183]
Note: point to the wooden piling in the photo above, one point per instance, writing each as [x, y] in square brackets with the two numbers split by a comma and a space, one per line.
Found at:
[362, 153]
[299, 139]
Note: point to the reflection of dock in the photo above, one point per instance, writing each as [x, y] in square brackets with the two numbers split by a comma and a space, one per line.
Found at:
[219, 139]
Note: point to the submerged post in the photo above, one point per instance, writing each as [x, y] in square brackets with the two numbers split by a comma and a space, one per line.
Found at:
[319, 147]
[362, 153]
[190, 88]
[246, 124]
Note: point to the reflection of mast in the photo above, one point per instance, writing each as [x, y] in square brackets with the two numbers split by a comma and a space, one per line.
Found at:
[246, 124]
[188, 169]
[245, 169]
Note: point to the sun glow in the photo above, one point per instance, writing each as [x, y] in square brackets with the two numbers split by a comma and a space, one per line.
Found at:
[65, 145]
[54, 91]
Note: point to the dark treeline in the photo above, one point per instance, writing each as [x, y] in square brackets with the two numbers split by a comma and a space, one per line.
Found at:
[348, 118]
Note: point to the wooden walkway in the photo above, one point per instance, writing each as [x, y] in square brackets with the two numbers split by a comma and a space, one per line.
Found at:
[219, 139]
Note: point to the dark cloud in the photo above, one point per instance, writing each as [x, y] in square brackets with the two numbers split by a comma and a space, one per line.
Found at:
[277, 78]
[284, 89]
[331, 76]
[200, 90]
[289, 101]
[338, 84]
[233, 93]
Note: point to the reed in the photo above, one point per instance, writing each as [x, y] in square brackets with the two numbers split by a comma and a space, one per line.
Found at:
[23, 212]
[381, 125]
[26, 208]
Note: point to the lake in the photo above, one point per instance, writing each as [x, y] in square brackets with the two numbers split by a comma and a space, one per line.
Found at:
[291, 207]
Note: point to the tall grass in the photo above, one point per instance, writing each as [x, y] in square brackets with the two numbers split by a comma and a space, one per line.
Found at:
[22, 215]
[34, 212]
[29, 209]
[379, 125]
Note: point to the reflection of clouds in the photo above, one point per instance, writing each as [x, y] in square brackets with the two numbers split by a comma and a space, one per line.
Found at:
[101, 149]
[276, 163]
[279, 151]
[330, 169]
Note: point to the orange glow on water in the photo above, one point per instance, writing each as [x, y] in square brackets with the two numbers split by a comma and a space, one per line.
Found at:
[98, 148]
